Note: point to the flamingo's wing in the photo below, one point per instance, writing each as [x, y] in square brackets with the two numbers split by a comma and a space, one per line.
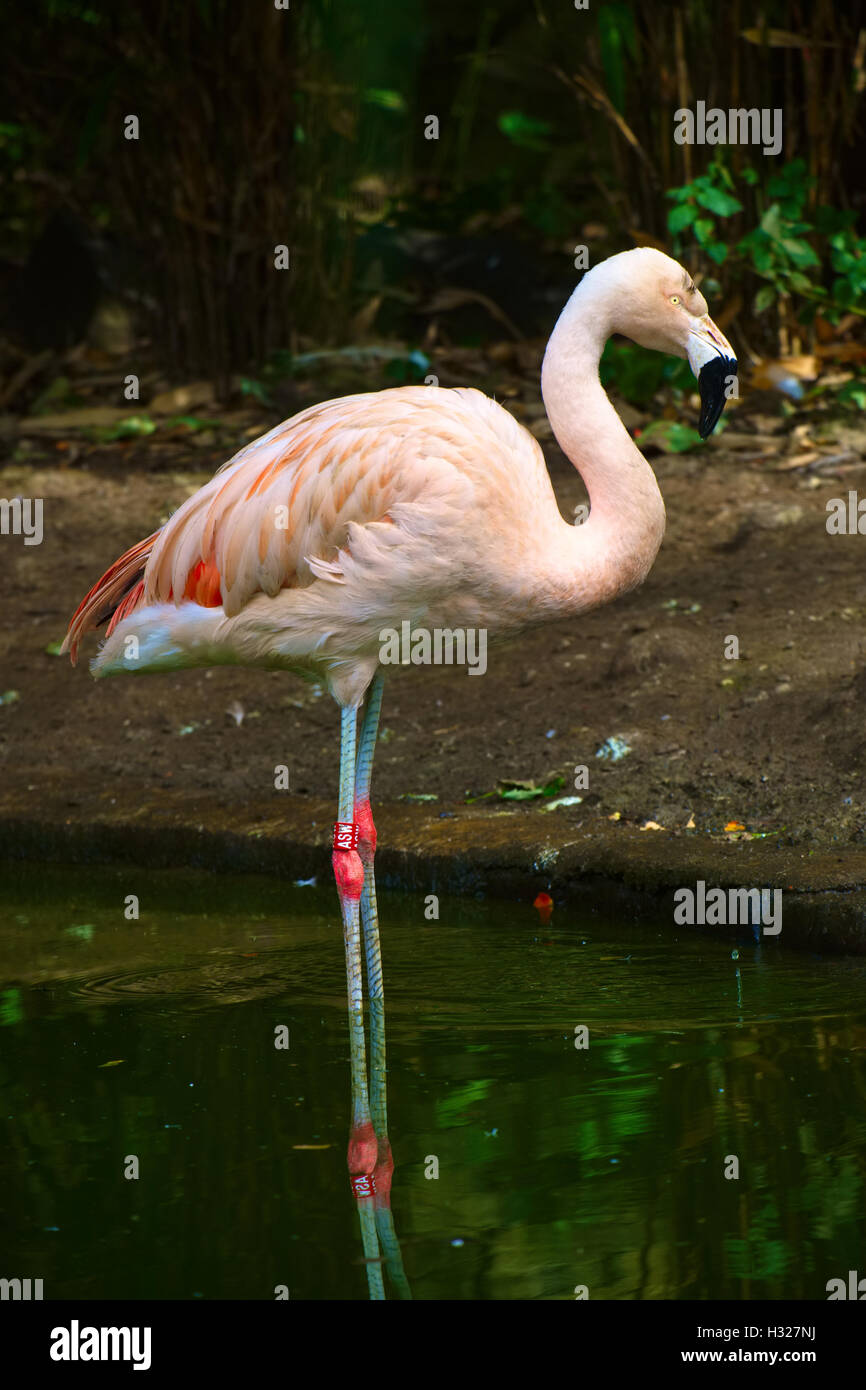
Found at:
[287, 509]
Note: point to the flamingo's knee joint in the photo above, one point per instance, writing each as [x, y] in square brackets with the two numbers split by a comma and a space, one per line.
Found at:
[366, 830]
[349, 873]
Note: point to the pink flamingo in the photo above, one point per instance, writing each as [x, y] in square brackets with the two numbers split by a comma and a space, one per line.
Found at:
[424, 504]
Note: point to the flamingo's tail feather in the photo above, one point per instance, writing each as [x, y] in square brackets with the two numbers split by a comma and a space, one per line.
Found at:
[113, 597]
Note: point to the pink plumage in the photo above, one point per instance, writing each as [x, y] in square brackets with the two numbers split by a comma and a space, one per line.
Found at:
[413, 503]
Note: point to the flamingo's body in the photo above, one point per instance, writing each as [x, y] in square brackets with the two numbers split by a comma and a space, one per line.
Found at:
[346, 519]
[417, 503]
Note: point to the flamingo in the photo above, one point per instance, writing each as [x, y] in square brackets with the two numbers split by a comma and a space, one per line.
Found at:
[422, 504]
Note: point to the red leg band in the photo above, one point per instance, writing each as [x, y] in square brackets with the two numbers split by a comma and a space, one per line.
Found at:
[345, 835]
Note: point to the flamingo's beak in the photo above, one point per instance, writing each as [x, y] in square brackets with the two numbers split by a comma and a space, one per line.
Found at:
[712, 360]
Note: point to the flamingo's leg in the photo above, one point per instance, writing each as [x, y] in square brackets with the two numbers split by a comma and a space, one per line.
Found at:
[367, 834]
[370, 916]
[349, 874]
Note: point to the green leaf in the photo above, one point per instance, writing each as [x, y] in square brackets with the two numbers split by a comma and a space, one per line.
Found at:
[384, 97]
[671, 435]
[790, 182]
[635, 372]
[801, 284]
[764, 298]
[525, 791]
[800, 252]
[844, 261]
[771, 223]
[722, 204]
[678, 374]
[854, 391]
[682, 216]
[130, 428]
[762, 256]
[524, 130]
[704, 230]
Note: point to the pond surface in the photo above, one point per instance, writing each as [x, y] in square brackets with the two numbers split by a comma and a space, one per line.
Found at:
[557, 1166]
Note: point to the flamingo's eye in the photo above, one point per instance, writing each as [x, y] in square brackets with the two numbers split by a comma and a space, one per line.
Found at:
[675, 299]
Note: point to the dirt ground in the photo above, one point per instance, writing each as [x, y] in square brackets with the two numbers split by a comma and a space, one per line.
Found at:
[771, 744]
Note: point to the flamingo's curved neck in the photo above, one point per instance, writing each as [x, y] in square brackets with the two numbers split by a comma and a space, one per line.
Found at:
[614, 549]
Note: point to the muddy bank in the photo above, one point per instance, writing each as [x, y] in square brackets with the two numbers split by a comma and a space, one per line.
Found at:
[507, 854]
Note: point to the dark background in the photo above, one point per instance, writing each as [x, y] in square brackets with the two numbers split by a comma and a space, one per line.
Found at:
[306, 128]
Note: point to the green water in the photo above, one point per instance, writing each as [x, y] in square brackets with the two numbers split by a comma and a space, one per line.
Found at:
[557, 1167]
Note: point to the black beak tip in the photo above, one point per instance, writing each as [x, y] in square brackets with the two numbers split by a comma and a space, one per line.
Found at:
[712, 384]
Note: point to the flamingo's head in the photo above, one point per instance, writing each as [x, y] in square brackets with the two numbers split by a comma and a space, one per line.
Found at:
[658, 305]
